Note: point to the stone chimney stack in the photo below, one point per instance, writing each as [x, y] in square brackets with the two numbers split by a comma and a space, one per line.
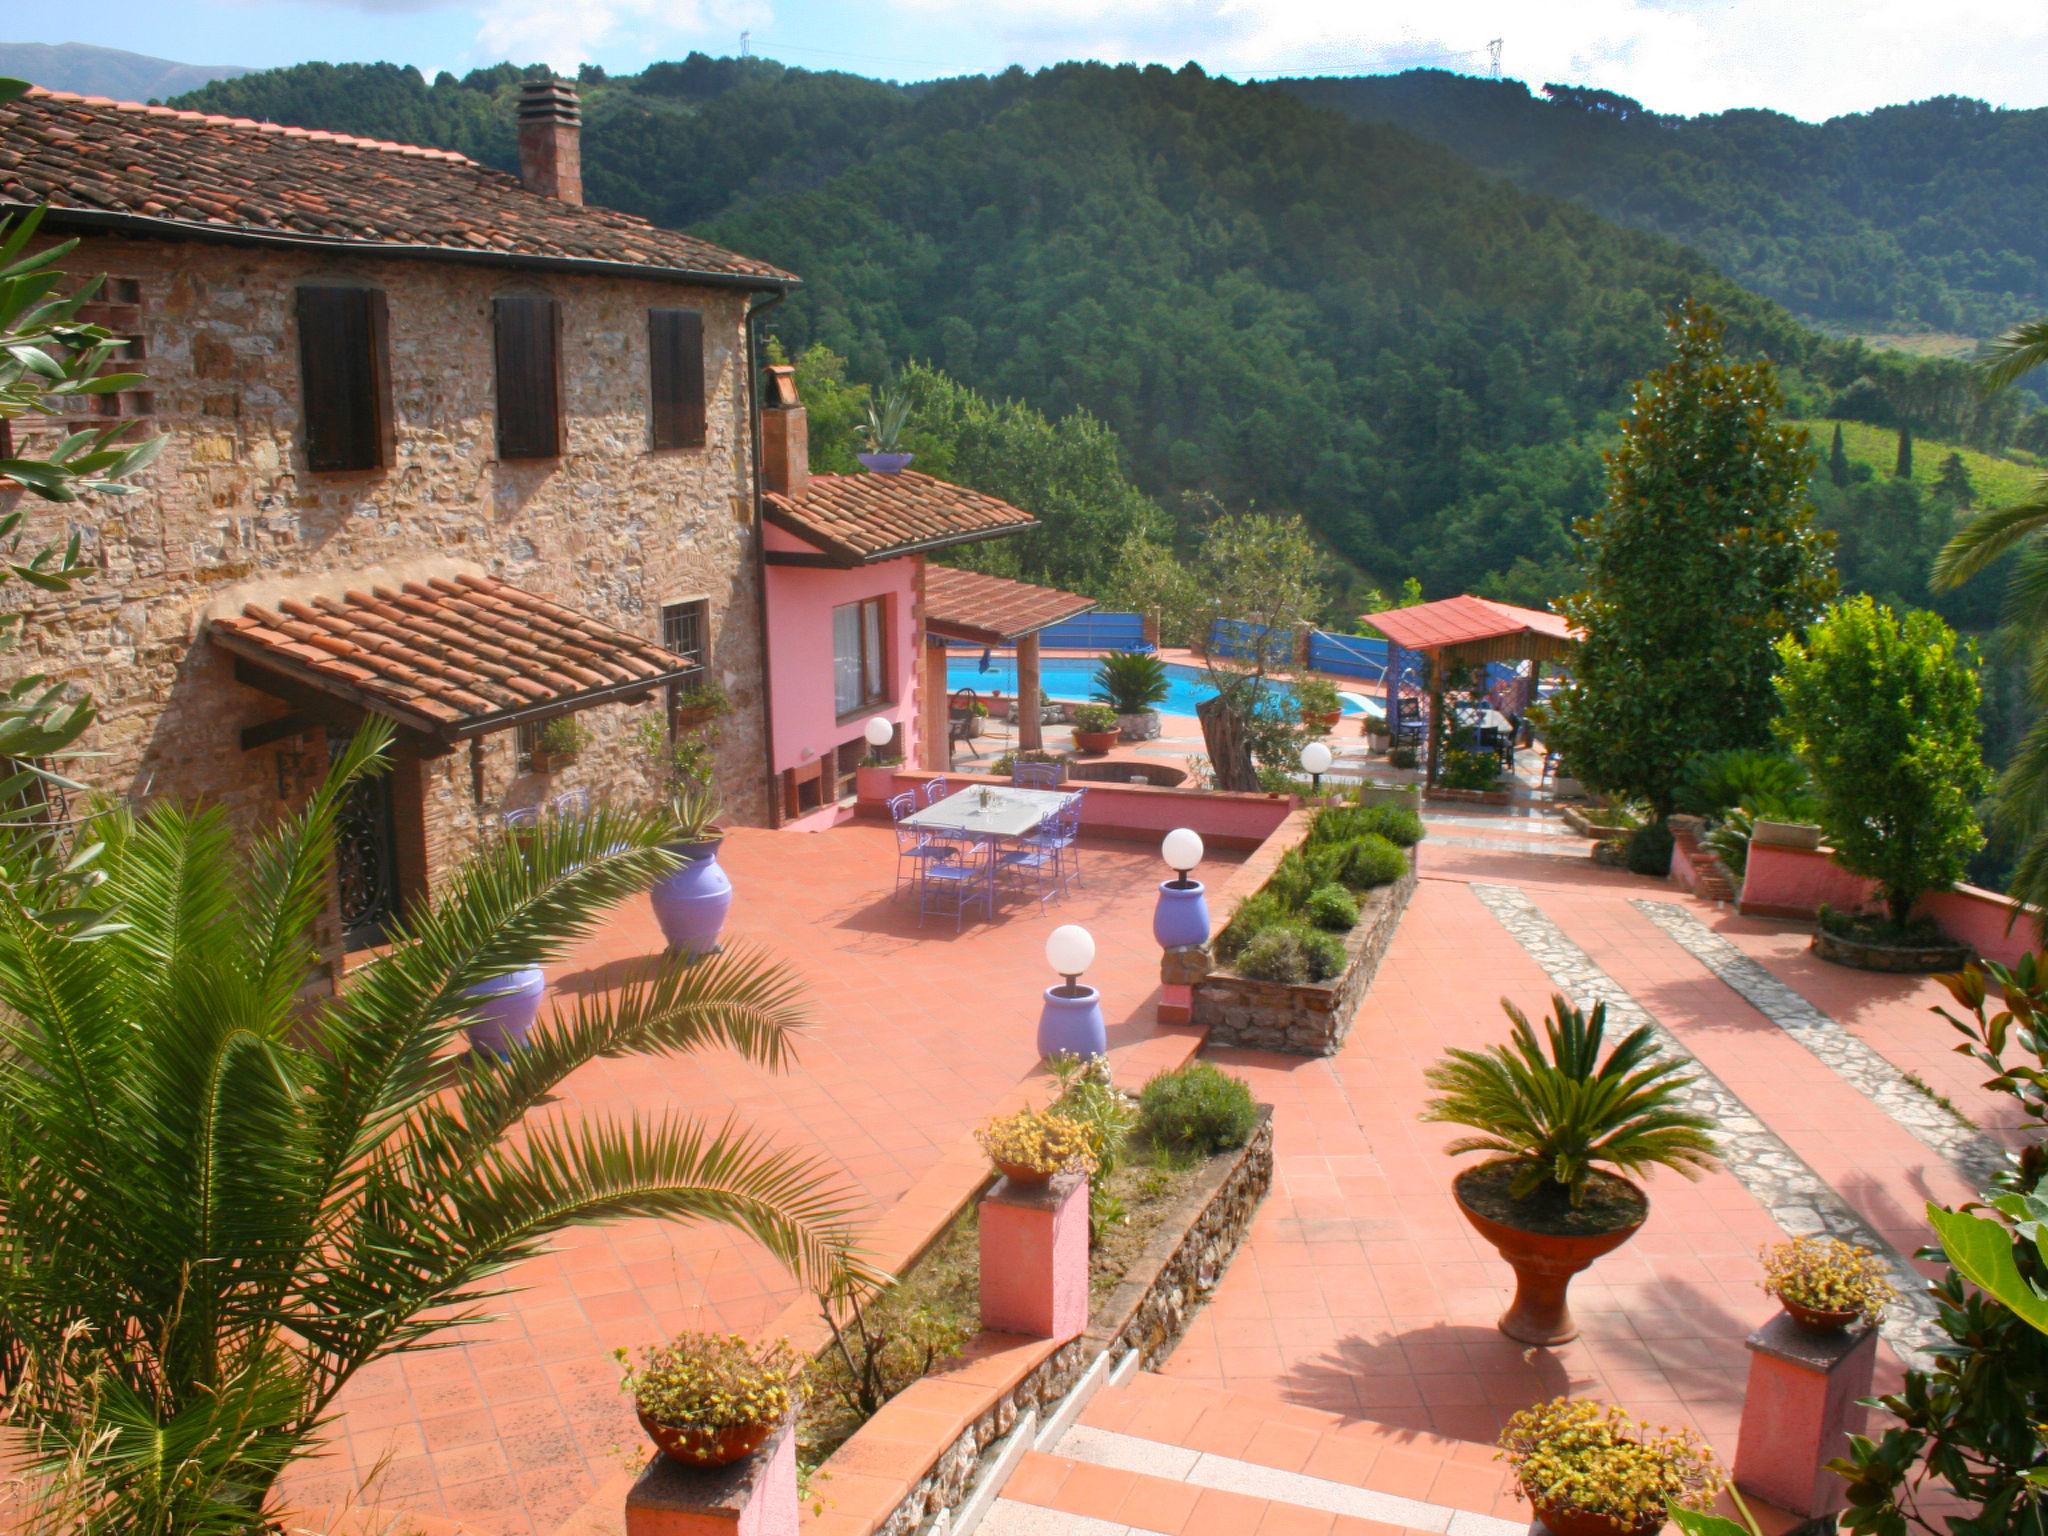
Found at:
[785, 433]
[551, 140]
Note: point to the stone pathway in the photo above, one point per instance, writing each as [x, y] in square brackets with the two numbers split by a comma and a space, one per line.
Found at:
[1798, 1199]
[1974, 1155]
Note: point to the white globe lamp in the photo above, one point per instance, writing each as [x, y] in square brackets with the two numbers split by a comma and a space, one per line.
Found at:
[1315, 762]
[1071, 1021]
[1182, 850]
[880, 731]
[1070, 950]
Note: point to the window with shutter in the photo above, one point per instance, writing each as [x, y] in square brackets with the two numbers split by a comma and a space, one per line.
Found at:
[675, 369]
[344, 378]
[529, 400]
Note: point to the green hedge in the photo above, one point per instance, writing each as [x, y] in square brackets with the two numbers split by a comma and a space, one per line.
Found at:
[1290, 928]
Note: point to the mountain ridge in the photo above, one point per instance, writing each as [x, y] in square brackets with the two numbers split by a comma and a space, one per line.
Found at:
[90, 70]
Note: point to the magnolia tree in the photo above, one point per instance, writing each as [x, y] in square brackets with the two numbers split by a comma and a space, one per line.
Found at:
[1704, 553]
[1883, 713]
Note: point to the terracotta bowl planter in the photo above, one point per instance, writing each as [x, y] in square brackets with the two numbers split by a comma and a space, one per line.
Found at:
[1563, 1520]
[1096, 741]
[1544, 1264]
[1818, 1319]
[695, 1447]
[1018, 1174]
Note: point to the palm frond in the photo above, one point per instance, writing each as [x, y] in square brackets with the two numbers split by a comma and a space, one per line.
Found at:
[1980, 541]
[2015, 354]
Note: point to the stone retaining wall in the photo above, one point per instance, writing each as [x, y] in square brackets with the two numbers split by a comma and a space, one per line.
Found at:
[1148, 1311]
[1311, 1018]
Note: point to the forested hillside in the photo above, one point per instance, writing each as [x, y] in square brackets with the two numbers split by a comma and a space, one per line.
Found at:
[1921, 217]
[1267, 304]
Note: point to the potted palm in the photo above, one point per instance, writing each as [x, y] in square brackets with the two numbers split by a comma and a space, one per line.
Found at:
[708, 1399]
[691, 902]
[1565, 1127]
[1590, 1469]
[1131, 683]
[888, 413]
[1825, 1284]
[1095, 728]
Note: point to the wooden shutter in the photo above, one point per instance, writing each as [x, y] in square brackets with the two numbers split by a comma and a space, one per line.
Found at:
[529, 403]
[344, 378]
[675, 367]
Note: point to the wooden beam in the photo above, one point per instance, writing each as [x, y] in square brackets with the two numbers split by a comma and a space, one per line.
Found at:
[280, 729]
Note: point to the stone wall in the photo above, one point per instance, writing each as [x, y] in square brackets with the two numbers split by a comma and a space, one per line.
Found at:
[230, 513]
[1312, 1018]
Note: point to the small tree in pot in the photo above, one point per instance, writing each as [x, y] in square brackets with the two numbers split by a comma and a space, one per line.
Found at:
[1095, 727]
[1132, 683]
[1559, 1117]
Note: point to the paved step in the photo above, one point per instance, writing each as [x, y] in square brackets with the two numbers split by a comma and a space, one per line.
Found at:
[1164, 1455]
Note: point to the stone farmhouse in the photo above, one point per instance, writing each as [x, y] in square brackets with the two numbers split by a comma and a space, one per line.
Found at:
[449, 446]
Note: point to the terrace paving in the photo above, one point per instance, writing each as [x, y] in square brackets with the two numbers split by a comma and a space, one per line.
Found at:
[1361, 1308]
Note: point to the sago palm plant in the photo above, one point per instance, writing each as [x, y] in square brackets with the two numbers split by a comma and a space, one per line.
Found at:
[222, 1196]
[1555, 1108]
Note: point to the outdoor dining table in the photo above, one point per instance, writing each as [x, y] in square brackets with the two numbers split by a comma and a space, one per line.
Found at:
[1008, 813]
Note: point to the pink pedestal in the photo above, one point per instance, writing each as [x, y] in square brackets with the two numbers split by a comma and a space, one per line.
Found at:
[1799, 1411]
[1176, 1005]
[1034, 1258]
[753, 1497]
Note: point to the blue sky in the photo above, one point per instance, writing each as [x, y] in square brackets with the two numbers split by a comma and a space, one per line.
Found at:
[1812, 58]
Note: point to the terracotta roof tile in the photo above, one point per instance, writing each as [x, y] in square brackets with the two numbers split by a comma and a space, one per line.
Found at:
[967, 605]
[232, 177]
[452, 656]
[867, 517]
[1464, 620]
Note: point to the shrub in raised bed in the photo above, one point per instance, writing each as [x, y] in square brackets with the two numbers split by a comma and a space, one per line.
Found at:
[1374, 861]
[1197, 1109]
[1396, 823]
[1332, 907]
[1256, 913]
[1325, 954]
[1275, 954]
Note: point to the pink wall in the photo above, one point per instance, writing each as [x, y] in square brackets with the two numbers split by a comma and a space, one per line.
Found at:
[1793, 882]
[1133, 810]
[800, 604]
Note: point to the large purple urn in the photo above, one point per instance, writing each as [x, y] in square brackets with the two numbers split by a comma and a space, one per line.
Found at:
[1182, 917]
[691, 904]
[505, 1013]
[1072, 1021]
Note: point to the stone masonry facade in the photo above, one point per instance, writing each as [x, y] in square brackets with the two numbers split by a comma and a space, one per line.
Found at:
[230, 514]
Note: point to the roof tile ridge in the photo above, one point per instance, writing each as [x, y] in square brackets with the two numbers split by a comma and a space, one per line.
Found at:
[220, 120]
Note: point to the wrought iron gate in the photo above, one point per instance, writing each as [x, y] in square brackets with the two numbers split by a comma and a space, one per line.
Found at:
[365, 857]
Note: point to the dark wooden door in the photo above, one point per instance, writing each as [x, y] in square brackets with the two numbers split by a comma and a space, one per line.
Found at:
[365, 857]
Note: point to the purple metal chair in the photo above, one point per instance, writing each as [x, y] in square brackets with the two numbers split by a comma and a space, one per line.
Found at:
[1035, 775]
[912, 845]
[953, 885]
[934, 791]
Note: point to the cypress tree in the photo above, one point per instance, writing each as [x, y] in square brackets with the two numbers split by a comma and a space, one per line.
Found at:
[1903, 470]
[1838, 459]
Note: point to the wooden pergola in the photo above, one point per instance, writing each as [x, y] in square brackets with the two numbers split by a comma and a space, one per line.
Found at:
[1458, 634]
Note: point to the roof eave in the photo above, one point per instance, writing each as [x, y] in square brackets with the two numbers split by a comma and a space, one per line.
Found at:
[947, 541]
[95, 220]
[851, 558]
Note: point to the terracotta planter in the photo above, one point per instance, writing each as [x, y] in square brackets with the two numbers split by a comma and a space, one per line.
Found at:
[695, 1447]
[543, 761]
[1095, 741]
[1018, 1174]
[1563, 1520]
[1544, 1264]
[1329, 719]
[1818, 1319]
[1893, 959]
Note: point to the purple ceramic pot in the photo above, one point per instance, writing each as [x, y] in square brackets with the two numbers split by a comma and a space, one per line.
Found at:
[886, 463]
[1072, 1021]
[1182, 917]
[504, 1016]
[691, 904]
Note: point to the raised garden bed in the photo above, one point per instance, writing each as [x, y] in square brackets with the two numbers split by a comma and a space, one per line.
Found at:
[1122, 771]
[1583, 823]
[1143, 1292]
[1471, 796]
[1904, 959]
[1306, 1018]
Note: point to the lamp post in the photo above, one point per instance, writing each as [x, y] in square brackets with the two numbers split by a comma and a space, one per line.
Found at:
[880, 731]
[1181, 919]
[1071, 1019]
[1315, 761]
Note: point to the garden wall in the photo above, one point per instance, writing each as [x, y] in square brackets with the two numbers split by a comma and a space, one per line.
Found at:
[1309, 1018]
[1136, 811]
[1794, 882]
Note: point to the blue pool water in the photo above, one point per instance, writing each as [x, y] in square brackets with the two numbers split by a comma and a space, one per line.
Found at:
[1073, 677]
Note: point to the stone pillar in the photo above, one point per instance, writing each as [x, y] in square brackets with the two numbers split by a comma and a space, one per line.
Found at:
[1034, 1258]
[1181, 970]
[1799, 1411]
[1030, 733]
[755, 1496]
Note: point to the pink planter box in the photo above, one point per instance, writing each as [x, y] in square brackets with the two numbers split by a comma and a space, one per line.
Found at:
[1034, 1258]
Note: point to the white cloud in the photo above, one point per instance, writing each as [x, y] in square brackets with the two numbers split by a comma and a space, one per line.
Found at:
[1812, 58]
[565, 33]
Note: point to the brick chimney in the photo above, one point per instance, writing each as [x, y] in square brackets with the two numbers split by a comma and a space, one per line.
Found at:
[785, 433]
[551, 140]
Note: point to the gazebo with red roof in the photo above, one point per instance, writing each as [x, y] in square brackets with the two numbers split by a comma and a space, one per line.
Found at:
[1464, 632]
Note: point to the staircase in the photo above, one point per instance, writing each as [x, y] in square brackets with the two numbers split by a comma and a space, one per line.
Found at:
[1163, 1455]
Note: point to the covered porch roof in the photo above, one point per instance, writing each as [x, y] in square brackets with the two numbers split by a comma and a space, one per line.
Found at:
[992, 610]
[451, 657]
[1467, 630]
[853, 520]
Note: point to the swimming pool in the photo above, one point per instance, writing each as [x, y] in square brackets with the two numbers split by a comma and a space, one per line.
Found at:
[1073, 677]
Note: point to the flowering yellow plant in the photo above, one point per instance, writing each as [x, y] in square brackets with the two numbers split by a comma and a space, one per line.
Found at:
[1044, 1143]
[1829, 1275]
[714, 1381]
[1573, 1453]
